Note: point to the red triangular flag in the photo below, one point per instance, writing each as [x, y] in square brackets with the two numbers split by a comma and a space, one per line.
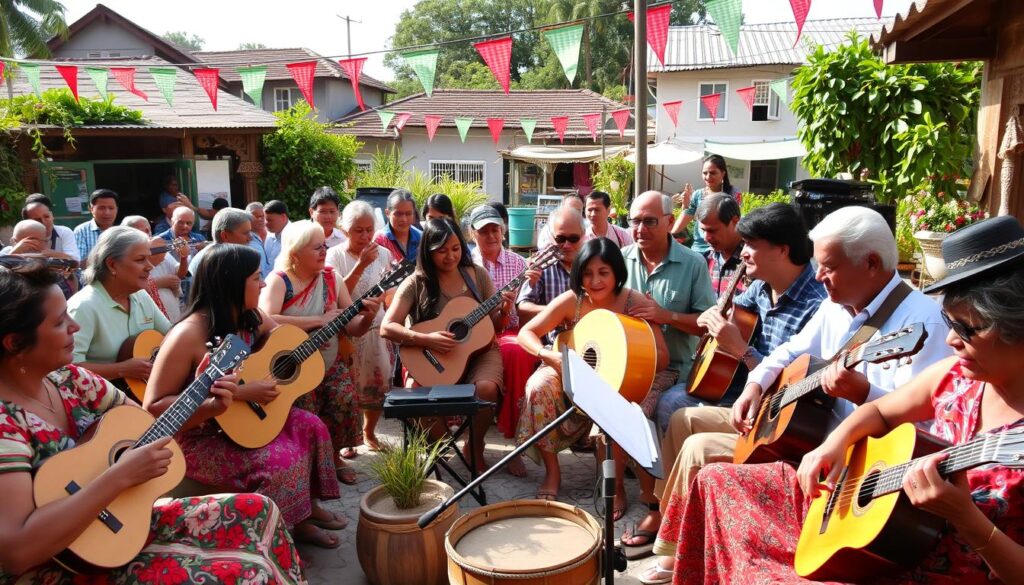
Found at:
[432, 121]
[70, 75]
[592, 120]
[672, 109]
[1, 69]
[878, 8]
[621, 118]
[657, 29]
[747, 95]
[126, 76]
[354, 68]
[303, 74]
[496, 125]
[401, 119]
[208, 78]
[711, 103]
[497, 54]
[560, 123]
[800, 10]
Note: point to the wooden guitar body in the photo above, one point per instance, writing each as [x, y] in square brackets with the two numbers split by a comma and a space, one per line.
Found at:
[713, 370]
[430, 368]
[788, 433]
[118, 538]
[620, 348]
[143, 346]
[855, 538]
[254, 425]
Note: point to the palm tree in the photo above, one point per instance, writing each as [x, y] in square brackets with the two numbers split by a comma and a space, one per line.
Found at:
[26, 26]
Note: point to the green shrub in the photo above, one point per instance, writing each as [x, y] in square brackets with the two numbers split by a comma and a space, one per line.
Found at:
[615, 177]
[403, 472]
[752, 201]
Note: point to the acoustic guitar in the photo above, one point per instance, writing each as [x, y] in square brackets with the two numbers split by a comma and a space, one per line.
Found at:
[61, 265]
[292, 358]
[120, 531]
[794, 414]
[713, 370]
[867, 526]
[143, 346]
[473, 331]
[620, 348]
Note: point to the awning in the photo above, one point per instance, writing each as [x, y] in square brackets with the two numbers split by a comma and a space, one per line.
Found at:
[670, 153]
[789, 148]
[540, 155]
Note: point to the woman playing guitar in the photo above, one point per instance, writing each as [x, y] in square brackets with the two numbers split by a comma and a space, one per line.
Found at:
[45, 406]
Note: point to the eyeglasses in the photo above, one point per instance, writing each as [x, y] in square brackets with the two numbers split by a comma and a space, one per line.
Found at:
[649, 222]
[964, 332]
[321, 248]
[573, 239]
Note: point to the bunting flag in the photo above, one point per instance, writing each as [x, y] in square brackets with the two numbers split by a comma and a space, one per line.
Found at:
[385, 118]
[432, 121]
[32, 73]
[566, 42]
[781, 89]
[126, 77]
[672, 109]
[252, 82]
[98, 75]
[592, 121]
[70, 75]
[354, 69]
[711, 103]
[2, 65]
[463, 125]
[621, 118]
[165, 78]
[424, 63]
[657, 29]
[528, 125]
[747, 95]
[878, 8]
[800, 10]
[560, 123]
[208, 78]
[496, 125]
[497, 53]
[403, 117]
[303, 74]
[727, 14]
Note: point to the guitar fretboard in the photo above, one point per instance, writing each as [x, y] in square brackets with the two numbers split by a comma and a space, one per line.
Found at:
[175, 417]
[977, 451]
[485, 308]
[798, 390]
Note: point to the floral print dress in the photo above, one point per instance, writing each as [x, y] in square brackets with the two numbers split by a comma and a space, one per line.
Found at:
[238, 538]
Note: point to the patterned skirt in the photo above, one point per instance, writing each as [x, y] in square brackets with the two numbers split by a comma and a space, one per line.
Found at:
[336, 402]
[518, 366]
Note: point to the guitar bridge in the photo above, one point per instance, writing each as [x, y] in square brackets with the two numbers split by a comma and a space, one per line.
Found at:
[108, 519]
[258, 409]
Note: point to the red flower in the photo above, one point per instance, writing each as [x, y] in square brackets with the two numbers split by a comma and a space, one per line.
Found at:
[163, 570]
[284, 553]
[950, 227]
[226, 572]
[170, 513]
[960, 220]
[249, 505]
[232, 538]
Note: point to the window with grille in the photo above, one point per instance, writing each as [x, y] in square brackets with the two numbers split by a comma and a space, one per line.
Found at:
[285, 97]
[766, 102]
[708, 88]
[464, 171]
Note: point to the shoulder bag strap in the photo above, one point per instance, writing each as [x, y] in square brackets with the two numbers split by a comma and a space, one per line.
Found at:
[882, 315]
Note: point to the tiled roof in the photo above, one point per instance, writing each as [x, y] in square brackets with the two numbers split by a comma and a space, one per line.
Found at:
[191, 109]
[695, 48]
[275, 60]
[480, 104]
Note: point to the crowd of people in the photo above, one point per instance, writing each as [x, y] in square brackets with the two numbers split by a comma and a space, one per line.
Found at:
[817, 292]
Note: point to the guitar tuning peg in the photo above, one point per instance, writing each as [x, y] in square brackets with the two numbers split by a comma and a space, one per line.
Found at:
[906, 361]
[886, 366]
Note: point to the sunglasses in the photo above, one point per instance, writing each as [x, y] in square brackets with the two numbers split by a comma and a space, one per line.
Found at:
[573, 239]
[649, 222]
[964, 332]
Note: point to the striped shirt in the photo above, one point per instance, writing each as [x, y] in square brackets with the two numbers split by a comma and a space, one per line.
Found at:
[86, 236]
[554, 280]
[508, 266]
[777, 322]
[722, 270]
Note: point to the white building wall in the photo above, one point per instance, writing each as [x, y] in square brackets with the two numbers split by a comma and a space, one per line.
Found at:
[106, 38]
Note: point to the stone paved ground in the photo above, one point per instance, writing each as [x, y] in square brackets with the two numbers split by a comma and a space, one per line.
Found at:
[340, 566]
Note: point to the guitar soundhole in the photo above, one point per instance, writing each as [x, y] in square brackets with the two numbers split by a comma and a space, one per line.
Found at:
[284, 367]
[459, 329]
[865, 489]
[590, 356]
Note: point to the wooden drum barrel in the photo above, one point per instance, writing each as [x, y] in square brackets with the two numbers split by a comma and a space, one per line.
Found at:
[524, 542]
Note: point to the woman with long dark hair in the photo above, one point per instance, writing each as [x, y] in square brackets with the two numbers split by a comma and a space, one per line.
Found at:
[438, 206]
[716, 180]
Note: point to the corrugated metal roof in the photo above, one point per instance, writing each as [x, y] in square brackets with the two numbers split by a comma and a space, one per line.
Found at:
[695, 48]
[915, 13]
[275, 60]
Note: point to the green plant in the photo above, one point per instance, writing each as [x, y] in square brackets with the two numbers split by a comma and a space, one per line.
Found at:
[301, 156]
[464, 196]
[402, 472]
[615, 177]
[421, 185]
[387, 169]
[906, 243]
[12, 190]
[752, 201]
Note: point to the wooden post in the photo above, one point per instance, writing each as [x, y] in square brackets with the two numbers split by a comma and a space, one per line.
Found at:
[640, 91]
[250, 168]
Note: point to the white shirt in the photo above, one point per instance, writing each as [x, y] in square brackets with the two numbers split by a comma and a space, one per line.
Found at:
[336, 238]
[171, 301]
[832, 325]
[66, 241]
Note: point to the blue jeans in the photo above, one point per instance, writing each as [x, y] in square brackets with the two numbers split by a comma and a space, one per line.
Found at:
[677, 397]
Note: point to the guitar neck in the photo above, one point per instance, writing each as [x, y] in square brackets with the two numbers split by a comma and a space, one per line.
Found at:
[329, 331]
[489, 305]
[796, 391]
[175, 417]
[977, 451]
[726, 299]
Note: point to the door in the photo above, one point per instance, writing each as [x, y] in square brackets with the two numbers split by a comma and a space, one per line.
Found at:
[185, 169]
[68, 185]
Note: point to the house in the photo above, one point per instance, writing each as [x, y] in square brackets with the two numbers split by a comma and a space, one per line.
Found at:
[975, 30]
[513, 170]
[332, 88]
[760, 145]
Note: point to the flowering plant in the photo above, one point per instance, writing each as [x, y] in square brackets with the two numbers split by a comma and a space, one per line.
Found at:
[939, 212]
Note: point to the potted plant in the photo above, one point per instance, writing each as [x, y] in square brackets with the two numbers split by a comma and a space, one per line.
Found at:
[936, 215]
[389, 512]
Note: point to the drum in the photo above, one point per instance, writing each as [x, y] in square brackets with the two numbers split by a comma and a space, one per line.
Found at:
[524, 542]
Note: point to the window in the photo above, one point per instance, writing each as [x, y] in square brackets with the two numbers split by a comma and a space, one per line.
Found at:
[114, 54]
[766, 102]
[764, 176]
[285, 97]
[362, 166]
[464, 171]
[711, 87]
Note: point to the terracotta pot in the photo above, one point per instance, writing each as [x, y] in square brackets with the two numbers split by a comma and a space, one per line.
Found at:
[392, 549]
[931, 247]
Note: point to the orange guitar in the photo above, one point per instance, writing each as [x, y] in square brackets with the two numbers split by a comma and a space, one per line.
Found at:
[473, 331]
[867, 526]
[794, 414]
[143, 346]
[120, 531]
[712, 371]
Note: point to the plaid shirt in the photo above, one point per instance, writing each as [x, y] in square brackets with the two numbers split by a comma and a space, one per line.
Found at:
[86, 236]
[508, 266]
[779, 321]
[722, 269]
[554, 280]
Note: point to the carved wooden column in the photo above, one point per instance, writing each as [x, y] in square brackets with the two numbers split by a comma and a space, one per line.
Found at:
[246, 146]
[251, 171]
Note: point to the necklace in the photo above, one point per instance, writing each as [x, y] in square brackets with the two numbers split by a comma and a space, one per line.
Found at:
[49, 399]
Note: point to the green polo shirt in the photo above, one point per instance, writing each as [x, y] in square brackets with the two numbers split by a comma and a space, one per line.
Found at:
[105, 325]
[681, 284]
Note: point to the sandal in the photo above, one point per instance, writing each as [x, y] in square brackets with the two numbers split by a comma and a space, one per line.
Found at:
[655, 575]
[547, 495]
[346, 475]
[642, 550]
[349, 452]
[311, 534]
[619, 511]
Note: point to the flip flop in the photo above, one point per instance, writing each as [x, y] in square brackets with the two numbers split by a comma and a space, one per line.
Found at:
[655, 575]
[634, 552]
[547, 495]
[319, 538]
[335, 523]
[349, 452]
[347, 475]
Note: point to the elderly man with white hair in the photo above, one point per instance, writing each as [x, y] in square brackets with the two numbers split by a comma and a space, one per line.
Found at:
[138, 222]
[229, 226]
[182, 221]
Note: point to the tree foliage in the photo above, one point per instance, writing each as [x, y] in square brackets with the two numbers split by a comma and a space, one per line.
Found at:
[26, 25]
[182, 39]
[251, 46]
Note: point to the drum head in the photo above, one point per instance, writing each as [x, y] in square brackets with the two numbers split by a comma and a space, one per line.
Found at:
[526, 543]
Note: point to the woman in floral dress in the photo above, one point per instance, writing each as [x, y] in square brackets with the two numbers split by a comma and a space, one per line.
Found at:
[46, 405]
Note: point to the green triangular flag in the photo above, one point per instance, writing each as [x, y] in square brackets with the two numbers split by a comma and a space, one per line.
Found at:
[781, 88]
[727, 14]
[424, 63]
[99, 79]
[385, 118]
[252, 82]
[528, 125]
[165, 78]
[32, 73]
[463, 125]
[566, 43]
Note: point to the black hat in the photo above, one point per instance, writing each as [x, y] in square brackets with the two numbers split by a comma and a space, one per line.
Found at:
[980, 248]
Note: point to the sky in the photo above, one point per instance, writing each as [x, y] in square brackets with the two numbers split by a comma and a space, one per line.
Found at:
[315, 24]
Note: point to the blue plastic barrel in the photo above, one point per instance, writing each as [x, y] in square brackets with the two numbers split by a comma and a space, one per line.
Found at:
[520, 223]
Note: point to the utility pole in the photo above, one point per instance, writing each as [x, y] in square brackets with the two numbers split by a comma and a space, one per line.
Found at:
[640, 94]
[348, 31]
